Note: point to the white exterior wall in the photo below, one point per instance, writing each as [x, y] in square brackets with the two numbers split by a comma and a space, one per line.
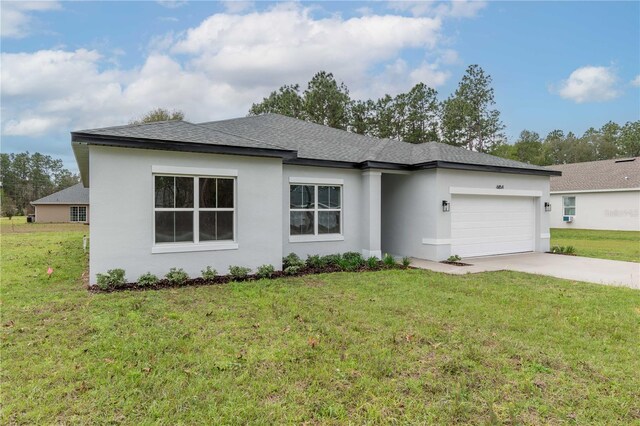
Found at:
[414, 223]
[121, 198]
[353, 211]
[616, 210]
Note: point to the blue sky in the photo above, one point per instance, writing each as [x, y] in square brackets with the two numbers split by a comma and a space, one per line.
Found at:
[75, 65]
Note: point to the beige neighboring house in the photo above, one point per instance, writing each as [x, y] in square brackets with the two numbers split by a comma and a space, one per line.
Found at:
[69, 205]
[597, 195]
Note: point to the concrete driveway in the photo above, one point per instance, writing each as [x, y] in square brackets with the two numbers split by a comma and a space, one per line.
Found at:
[599, 271]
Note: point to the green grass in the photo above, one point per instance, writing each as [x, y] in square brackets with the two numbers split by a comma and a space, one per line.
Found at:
[394, 346]
[615, 245]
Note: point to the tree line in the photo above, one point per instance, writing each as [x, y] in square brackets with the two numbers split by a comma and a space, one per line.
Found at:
[467, 118]
[27, 177]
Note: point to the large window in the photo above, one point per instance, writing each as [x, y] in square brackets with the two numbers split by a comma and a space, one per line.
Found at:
[569, 206]
[78, 213]
[315, 209]
[193, 209]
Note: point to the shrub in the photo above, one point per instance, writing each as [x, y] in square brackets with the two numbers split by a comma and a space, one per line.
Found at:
[315, 262]
[454, 258]
[373, 262]
[292, 259]
[331, 260]
[265, 271]
[569, 250]
[209, 273]
[406, 261]
[113, 278]
[147, 279]
[388, 261]
[177, 276]
[238, 272]
[354, 258]
[291, 270]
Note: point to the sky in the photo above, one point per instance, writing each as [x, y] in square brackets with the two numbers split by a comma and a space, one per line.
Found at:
[68, 66]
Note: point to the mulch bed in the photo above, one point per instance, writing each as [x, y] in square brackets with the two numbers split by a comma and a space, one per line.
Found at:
[224, 279]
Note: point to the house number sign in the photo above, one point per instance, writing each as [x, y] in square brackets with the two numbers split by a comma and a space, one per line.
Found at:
[499, 186]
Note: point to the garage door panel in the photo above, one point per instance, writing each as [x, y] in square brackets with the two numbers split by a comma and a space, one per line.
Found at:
[486, 225]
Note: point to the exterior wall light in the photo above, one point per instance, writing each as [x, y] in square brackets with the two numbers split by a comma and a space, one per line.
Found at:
[547, 206]
[445, 206]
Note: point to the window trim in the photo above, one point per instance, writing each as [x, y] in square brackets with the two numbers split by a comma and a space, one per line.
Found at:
[573, 206]
[78, 215]
[316, 183]
[196, 244]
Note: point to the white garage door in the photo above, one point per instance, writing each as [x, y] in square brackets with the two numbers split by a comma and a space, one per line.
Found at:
[482, 225]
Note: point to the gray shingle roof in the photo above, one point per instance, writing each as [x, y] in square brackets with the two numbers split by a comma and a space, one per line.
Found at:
[309, 141]
[76, 194]
[597, 175]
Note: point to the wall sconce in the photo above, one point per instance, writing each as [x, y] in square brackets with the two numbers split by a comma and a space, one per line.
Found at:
[445, 206]
[547, 207]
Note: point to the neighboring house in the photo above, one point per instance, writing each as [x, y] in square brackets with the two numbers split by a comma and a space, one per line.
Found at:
[69, 205]
[597, 195]
[247, 191]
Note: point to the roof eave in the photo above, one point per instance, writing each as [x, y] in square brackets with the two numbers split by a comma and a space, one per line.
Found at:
[484, 168]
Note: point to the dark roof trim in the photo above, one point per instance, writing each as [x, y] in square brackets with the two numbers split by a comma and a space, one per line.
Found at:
[321, 163]
[485, 168]
[164, 145]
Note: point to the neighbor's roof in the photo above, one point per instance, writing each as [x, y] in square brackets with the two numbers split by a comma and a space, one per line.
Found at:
[623, 173]
[296, 141]
[76, 194]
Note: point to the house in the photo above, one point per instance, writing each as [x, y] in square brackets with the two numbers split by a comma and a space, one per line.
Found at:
[69, 205]
[597, 195]
[247, 191]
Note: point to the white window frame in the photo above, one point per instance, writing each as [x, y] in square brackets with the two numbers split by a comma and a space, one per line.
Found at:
[573, 206]
[316, 236]
[196, 244]
[77, 215]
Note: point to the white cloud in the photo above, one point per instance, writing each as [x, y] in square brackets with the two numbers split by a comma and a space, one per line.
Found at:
[590, 84]
[17, 17]
[218, 68]
[172, 4]
[454, 9]
[237, 6]
[636, 81]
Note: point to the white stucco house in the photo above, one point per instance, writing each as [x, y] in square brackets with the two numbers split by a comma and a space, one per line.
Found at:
[249, 190]
[597, 195]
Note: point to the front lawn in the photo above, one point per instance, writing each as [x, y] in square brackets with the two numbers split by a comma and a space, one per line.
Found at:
[615, 245]
[382, 347]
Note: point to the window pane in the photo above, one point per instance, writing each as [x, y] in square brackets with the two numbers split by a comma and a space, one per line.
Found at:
[207, 192]
[225, 193]
[328, 222]
[82, 214]
[301, 196]
[164, 191]
[301, 223]
[216, 226]
[323, 197]
[570, 211]
[174, 226]
[184, 192]
[334, 197]
[569, 201]
[328, 197]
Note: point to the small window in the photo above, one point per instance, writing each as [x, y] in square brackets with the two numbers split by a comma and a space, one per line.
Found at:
[568, 206]
[315, 209]
[194, 209]
[78, 213]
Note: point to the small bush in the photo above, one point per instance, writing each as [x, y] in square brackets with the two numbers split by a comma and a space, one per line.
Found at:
[354, 258]
[373, 262]
[147, 279]
[209, 273]
[454, 258]
[265, 271]
[569, 250]
[331, 259]
[113, 278]
[291, 270]
[388, 261]
[315, 262]
[177, 276]
[406, 261]
[563, 249]
[292, 259]
[239, 272]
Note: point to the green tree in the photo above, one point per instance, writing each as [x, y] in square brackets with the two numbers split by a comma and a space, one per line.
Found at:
[528, 148]
[362, 117]
[422, 111]
[467, 117]
[159, 114]
[630, 139]
[327, 102]
[503, 150]
[286, 101]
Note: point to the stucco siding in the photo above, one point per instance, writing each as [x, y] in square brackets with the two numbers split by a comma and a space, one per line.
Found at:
[618, 210]
[122, 234]
[353, 210]
[55, 213]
